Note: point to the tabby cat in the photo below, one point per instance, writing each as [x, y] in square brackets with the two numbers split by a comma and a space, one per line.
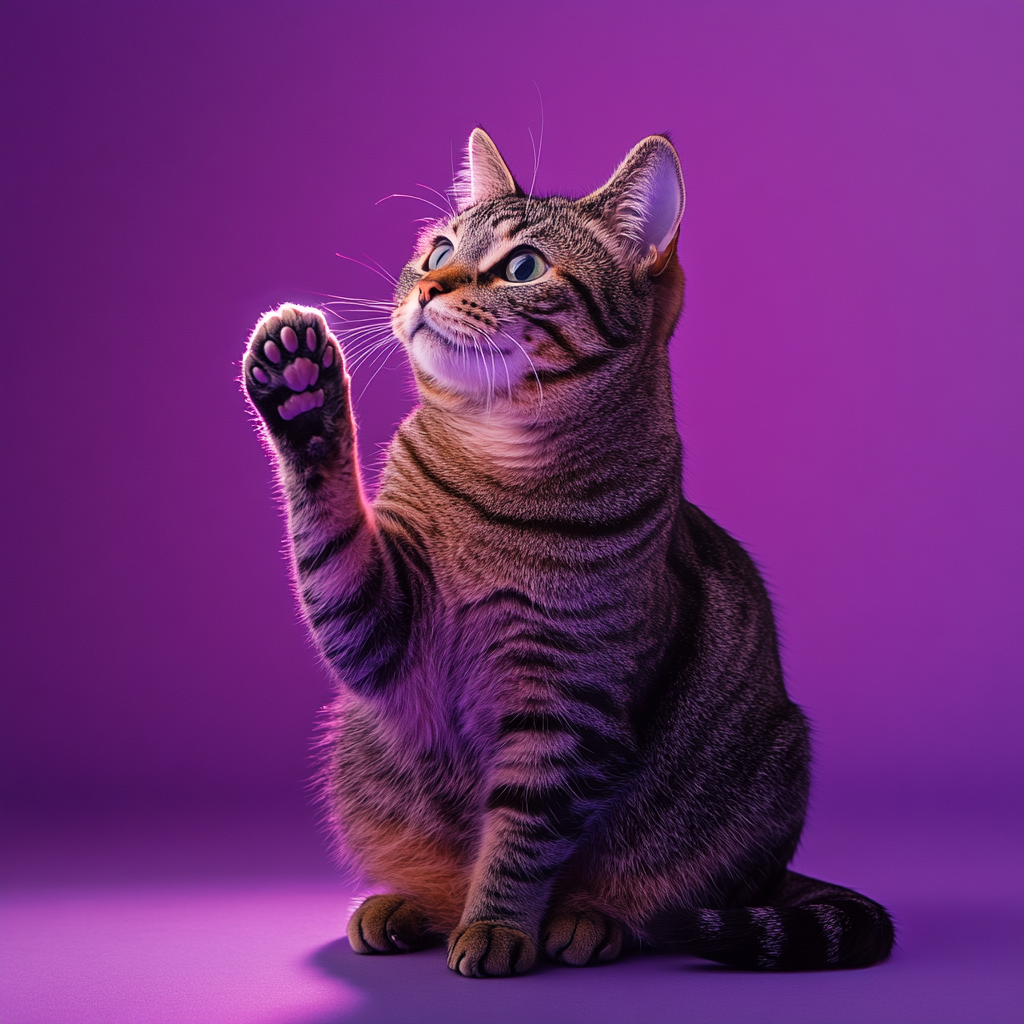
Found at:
[562, 724]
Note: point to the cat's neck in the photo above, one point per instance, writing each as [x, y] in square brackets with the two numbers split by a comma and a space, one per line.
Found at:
[502, 443]
[500, 439]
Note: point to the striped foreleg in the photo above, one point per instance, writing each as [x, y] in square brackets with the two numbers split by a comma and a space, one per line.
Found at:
[552, 775]
[352, 577]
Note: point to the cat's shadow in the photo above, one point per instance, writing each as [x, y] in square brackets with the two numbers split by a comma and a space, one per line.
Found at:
[337, 960]
[419, 989]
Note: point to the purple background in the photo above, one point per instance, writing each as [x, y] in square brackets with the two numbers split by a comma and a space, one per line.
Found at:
[848, 368]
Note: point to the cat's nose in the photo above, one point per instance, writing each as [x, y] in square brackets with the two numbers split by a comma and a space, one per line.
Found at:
[428, 289]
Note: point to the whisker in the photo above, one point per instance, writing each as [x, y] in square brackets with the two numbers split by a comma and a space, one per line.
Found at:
[540, 387]
[494, 379]
[451, 154]
[353, 299]
[356, 353]
[356, 343]
[444, 198]
[477, 334]
[369, 357]
[481, 334]
[508, 377]
[345, 325]
[357, 330]
[353, 332]
[405, 195]
[367, 331]
[533, 180]
[354, 358]
[538, 150]
[342, 309]
[367, 316]
[384, 363]
[362, 326]
[387, 277]
[358, 335]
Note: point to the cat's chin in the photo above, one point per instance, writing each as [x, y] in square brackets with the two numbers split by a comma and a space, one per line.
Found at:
[469, 368]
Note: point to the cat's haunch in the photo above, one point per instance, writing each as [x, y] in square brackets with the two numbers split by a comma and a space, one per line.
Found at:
[561, 725]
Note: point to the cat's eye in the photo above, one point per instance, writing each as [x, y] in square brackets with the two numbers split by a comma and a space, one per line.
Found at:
[527, 266]
[440, 256]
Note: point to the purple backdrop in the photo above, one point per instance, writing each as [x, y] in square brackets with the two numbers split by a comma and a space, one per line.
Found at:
[848, 363]
[848, 372]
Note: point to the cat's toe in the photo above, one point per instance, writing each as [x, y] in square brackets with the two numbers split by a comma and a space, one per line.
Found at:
[388, 924]
[582, 939]
[489, 949]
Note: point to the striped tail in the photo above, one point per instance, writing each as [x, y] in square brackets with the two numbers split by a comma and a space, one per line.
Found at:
[806, 925]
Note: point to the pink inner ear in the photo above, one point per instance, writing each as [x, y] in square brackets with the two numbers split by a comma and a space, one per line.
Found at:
[663, 200]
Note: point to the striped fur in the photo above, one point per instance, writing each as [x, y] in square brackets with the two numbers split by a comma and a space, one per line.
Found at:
[562, 722]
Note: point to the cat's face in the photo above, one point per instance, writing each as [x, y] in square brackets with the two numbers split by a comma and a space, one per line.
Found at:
[515, 297]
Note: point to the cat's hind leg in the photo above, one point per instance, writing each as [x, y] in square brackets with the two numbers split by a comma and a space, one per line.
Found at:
[389, 924]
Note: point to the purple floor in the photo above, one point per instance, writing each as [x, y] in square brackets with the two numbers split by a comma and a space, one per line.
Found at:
[221, 920]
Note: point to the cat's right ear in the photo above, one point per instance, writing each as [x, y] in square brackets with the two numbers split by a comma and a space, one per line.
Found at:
[484, 174]
[642, 204]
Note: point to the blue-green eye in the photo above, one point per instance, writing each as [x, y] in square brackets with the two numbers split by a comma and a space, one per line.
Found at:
[527, 266]
[440, 256]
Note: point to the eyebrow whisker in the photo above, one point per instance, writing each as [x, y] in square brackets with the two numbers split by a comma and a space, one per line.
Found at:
[406, 195]
[443, 197]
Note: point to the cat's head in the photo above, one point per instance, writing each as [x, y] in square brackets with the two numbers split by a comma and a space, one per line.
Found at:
[515, 296]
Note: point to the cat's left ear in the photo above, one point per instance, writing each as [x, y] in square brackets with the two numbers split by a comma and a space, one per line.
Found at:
[484, 174]
[642, 204]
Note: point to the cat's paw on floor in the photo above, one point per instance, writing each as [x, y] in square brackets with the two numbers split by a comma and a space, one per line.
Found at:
[294, 374]
[582, 939]
[489, 949]
[389, 924]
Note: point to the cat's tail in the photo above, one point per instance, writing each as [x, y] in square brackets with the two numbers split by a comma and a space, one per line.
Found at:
[804, 925]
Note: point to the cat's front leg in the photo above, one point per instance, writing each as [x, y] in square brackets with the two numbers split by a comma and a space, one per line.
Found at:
[554, 771]
[351, 580]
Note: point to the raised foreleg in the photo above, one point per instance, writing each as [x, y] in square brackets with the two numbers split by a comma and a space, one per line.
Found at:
[352, 577]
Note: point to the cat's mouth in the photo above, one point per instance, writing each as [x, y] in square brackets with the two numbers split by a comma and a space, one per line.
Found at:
[473, 359]
[459, 339]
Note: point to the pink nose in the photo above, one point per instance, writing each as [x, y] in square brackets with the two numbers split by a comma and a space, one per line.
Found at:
[428, 289]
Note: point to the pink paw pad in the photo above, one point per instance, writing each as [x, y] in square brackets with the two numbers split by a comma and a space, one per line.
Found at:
[328, 356]
[301, 374]
[289, 339]
[310, 339]
[272, 352]
[297, 404]
[260, 375]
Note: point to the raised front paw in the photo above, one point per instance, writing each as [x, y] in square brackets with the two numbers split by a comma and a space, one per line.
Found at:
[489, 949]
[294, 376]
[582, 939]
[388, 924]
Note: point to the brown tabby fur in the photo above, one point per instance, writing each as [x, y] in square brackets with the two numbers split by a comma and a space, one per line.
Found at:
[561, 721]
